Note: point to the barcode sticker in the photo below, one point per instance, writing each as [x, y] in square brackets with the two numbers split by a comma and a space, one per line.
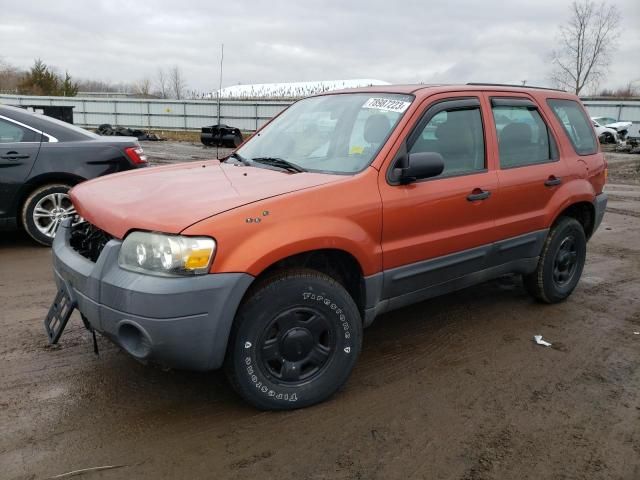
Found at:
[387, 104]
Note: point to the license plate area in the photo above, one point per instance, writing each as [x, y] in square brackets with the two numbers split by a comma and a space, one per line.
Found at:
[59, 314]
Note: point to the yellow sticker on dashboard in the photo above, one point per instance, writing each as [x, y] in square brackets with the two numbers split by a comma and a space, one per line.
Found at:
[356, 150]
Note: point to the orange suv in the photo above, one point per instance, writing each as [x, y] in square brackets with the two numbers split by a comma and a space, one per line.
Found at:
[346, 205]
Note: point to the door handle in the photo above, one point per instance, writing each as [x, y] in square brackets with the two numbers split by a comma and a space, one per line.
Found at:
[13, 155]
[552, 181]
[478, 194]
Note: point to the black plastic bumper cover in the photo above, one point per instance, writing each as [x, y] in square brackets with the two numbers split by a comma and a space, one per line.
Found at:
[600, 205]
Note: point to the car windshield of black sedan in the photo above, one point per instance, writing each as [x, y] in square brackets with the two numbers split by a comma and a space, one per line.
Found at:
[339, 133]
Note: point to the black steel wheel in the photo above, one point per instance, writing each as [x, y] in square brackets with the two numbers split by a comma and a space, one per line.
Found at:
[560, 264]
[565, 263]
[294, 341]
[297, 345]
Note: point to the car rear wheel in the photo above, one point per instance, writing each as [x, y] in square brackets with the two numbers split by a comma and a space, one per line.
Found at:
[294, 341]
[561, 263]
[45, 209]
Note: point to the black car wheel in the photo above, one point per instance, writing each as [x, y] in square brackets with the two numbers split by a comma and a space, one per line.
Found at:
[607, 137]
[44, 210]
[561, 263]
[294, 341]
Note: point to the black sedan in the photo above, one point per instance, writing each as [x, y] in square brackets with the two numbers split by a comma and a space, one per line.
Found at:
[41, 158]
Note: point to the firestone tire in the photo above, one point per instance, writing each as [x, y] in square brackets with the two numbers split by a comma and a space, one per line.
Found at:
[294, 341]
[561, 263]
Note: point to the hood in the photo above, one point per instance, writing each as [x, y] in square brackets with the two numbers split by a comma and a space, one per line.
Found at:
[171, 198]
[619, 125]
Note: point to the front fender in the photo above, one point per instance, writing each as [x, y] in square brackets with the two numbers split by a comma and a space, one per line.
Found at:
[266, 246]
[344, 215]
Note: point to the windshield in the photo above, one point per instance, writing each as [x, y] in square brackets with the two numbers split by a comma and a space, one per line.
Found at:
[335, 133]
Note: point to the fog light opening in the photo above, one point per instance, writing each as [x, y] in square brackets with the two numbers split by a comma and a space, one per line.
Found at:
[134, 340]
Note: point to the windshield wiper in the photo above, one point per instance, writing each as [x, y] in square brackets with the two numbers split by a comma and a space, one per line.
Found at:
[237, 156]
[280, 163]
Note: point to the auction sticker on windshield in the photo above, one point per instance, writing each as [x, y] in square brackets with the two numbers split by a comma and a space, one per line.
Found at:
[387, 104]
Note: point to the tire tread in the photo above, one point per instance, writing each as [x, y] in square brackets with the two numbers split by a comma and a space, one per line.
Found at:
[270, 284]
[534, 282]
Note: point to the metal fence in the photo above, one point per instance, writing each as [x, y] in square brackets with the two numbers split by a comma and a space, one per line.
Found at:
[628, 110]
[247, 115]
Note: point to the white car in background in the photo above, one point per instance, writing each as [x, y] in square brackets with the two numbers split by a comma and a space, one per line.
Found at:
[609, 130]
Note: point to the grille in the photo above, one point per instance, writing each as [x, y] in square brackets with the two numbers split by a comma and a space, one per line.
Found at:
[88, 240]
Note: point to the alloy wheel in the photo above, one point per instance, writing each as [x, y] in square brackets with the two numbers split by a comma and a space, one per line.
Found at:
[50, 211]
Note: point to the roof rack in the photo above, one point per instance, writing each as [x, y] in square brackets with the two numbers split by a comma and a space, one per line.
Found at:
[515, 86]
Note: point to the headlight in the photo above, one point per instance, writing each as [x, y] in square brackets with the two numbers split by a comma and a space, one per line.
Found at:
[166, 254]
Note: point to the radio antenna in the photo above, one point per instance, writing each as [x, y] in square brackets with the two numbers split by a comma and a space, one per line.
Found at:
[219, 91]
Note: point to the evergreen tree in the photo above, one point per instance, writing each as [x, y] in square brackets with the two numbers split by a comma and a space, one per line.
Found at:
[42, 80]
[69, 88]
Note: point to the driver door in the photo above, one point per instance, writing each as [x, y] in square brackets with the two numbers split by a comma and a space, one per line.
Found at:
[442, 227]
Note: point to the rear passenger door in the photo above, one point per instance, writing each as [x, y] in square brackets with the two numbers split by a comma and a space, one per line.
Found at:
[530, 170]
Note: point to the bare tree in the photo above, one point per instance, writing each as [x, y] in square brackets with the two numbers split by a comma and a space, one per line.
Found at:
[143, 87]
[628, 91]
[10, 77]
[88, 85]
[162, 84]
[586, 43]
[177, 84]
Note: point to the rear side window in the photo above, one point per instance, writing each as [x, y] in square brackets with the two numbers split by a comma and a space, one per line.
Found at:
[457, 135]
[576, 124]
[12, 133]
[523, 137]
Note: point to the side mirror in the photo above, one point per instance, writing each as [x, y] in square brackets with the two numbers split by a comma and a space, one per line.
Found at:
[421, 165]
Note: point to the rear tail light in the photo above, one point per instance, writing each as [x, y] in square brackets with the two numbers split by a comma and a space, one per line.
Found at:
[136, 155]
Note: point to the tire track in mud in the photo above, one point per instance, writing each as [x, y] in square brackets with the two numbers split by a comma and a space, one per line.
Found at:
[622, 211]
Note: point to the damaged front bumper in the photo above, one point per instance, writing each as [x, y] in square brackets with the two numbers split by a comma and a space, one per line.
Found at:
[178, 322]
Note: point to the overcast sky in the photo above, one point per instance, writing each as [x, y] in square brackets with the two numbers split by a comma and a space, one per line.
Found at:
[280, 41]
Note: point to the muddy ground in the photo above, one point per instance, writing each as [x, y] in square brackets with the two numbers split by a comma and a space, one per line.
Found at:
[452, 388]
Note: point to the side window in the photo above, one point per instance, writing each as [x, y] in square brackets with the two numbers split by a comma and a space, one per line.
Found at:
[12, 133]
[458, 136]
[576, 125]
[523, 137]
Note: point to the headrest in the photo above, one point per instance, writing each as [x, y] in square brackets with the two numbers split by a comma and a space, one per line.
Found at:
[449, 131]
[376, 128]
[515, 133]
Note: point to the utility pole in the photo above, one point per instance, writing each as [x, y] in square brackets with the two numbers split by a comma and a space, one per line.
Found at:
[219, 88]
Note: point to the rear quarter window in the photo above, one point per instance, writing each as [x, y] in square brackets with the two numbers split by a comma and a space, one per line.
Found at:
[576, 125]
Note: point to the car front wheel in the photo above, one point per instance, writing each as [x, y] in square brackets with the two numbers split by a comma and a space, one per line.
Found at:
[45, 209]
[294, 341]
[607, 137]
